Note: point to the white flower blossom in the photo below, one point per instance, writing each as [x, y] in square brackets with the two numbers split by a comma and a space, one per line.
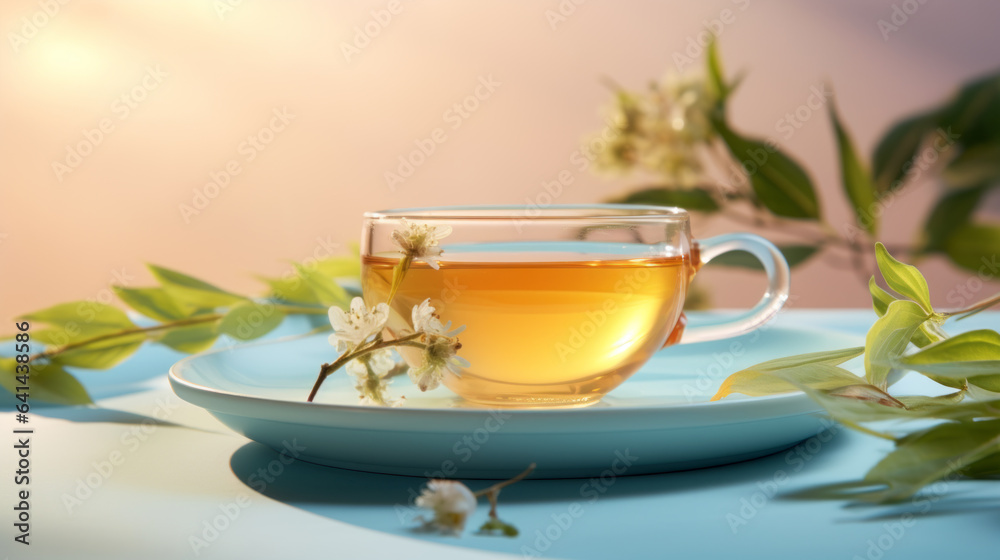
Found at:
[352, 328]
[420, 241]
[381, 362]
[452, 503]
[426, 320]
[439, 355]
[661, 130]
[372, 389]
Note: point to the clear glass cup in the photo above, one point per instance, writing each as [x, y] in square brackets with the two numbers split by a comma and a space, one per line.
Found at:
[560, 304]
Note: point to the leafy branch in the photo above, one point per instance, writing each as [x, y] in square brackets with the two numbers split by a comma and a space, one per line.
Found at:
[681, 127]
[374, 346]
[965, 442]
[190, 316]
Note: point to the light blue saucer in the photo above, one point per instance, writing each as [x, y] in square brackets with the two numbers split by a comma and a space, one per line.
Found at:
[659, 420]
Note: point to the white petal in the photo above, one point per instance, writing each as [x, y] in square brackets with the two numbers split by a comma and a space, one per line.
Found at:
[440, 232]
[422, 315]
[358, 307]
[425, 378]
[357, 369]
[397, 237]
[379, 316]
[451, 501]
[339, 320]
[382, 362]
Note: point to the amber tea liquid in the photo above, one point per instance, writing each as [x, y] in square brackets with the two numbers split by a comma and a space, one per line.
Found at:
[541, 333]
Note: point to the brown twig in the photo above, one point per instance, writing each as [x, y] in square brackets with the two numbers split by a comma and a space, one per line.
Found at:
[501, 485]
[326, 369]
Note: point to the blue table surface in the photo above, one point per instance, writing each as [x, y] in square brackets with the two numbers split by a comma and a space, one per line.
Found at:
[143, 474]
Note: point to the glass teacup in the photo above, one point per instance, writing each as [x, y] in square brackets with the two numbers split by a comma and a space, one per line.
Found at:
[561, 304]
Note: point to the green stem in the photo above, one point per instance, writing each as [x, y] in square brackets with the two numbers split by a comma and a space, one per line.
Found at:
[864, 430]
[125, 332]
[373, 383]
[326, 369]
[398, 272]
[755, 220]
[197, 320]
[975, 307]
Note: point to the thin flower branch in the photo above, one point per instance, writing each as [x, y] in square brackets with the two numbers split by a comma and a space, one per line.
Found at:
[326, 369]
[501, 485]
[357, 332]
[452, 503]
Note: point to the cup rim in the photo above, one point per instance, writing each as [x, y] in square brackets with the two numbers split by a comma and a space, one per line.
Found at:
[552, 212]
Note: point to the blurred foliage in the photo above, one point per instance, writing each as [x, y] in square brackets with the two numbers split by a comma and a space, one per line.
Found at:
[190, 315]
[956, 142]
[965, 440]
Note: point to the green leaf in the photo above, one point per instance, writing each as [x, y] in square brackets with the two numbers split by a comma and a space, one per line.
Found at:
[950, 213]
[973, 115]
[920, 402]
[975, 166]
[903, 278]
[889, 337]
[854, 406]
[895, 153]
[867, 393]
[327, 290]
[716, 77]
[969, 120]
[794, 254]
[494, 525]
[811, 369]
[932, 454]
[969, 354]
[186, 290]
[924, 337]
[857, 182]
[48, 383]
[880, 298]
[855, 411]
[338, 267]
[292, 289]
[79, 320]
[190, 339]
[779, 183]
[758, 383]
[987, 467]
[103, 354]
[154, 303]
[697, 199]
[250, 320]
[829, 357]
[976, 247]
[880, 301]
[988, 382]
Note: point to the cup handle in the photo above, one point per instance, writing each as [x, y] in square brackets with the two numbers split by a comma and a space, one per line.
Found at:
[774, 298]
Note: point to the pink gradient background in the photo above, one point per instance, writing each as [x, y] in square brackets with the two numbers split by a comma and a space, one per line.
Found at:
[68, 239]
